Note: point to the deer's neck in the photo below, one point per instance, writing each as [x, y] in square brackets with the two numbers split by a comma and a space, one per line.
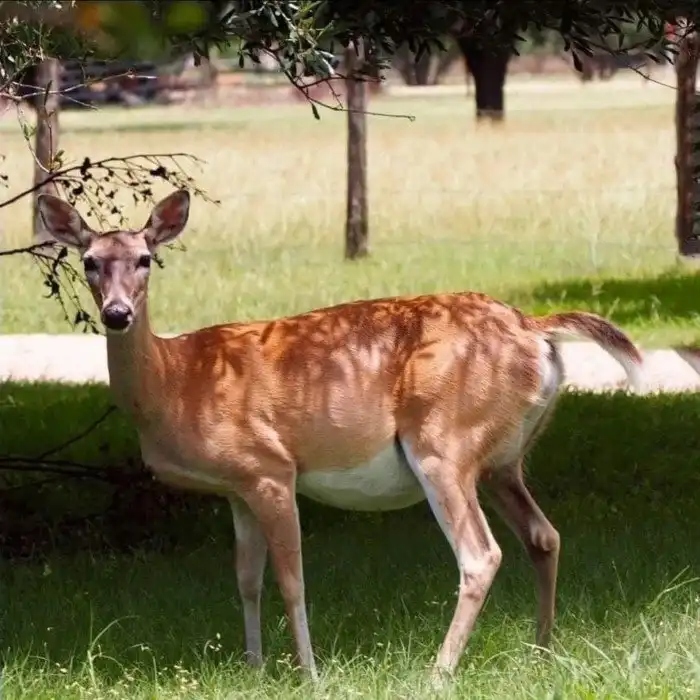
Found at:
[136, 367]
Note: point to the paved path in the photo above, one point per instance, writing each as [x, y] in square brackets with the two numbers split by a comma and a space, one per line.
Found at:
[82, 358]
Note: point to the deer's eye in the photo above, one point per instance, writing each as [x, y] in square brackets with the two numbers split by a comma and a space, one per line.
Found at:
[144, 261]
[90, 265]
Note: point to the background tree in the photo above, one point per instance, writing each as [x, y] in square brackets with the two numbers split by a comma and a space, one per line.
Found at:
[428, 68]
[47, 133]
[489, 66]
[356, 219]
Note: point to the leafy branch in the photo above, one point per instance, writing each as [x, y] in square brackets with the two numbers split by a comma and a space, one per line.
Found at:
[102, 177]
[17, 91]
[99, 183]
[45, 463]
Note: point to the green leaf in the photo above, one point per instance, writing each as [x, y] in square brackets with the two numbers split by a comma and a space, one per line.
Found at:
[124, 16]
[185, 17]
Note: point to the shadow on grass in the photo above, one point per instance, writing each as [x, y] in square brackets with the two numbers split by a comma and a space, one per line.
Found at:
[673, 296]
[619, 476]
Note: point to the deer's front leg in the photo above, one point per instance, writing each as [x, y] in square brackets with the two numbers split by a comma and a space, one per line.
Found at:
[273, 503]
[450, 487]
[251, 554]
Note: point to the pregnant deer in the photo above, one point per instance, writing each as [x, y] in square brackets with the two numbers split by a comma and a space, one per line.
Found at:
[368, 405]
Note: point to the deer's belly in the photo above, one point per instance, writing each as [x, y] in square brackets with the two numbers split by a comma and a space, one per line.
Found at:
[386, 482]
[177, 475]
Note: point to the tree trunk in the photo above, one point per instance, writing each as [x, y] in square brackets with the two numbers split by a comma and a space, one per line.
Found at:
[489, 70]
[687, 159]
[356, 225]
[444, 61]
[46, 140]
[429, 70]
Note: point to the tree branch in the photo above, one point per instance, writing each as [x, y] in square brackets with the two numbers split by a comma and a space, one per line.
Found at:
[104, 163]
[61, 467]
[33, 91]
[79, 436]
[35, 249]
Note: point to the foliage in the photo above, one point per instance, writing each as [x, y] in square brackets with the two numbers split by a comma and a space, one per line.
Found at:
[23, 43]
[97, 183]
[534, 40]
[305, 35]
[299, 33]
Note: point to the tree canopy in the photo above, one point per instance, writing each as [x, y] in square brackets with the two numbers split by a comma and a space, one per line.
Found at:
[305, 35]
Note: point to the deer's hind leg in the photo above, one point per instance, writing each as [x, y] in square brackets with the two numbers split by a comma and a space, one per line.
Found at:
[516, 505]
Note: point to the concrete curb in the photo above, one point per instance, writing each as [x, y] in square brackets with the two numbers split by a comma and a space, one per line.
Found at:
[83, 359]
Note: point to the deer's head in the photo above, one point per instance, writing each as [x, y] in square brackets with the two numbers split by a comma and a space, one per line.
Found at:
[117, 263]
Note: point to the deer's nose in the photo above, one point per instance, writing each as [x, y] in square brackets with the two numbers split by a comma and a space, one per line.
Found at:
[117, 317]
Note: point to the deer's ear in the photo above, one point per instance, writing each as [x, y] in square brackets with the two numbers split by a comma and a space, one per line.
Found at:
[63, 222]
[168, 218]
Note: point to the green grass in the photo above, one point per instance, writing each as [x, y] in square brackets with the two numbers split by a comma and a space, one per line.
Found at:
[617, 475]
[570, 204]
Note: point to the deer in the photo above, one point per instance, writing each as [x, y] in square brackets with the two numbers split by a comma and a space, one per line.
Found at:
[369, 405]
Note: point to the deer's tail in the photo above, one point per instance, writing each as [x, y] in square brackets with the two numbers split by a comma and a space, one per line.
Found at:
[588, 326]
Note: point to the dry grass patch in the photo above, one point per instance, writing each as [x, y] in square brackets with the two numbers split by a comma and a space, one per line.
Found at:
[572, 196]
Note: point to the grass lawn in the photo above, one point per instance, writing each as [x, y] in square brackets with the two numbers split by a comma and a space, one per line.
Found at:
[569, 204]
[164, 621]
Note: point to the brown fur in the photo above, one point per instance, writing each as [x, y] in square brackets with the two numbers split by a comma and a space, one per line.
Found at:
[245, 409]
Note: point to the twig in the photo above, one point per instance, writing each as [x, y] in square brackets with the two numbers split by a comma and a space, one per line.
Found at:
[304, 89]
[79, 436]
[33, 249]
[652, 80]
[63, 467]
[104, 163]
[22, 124]
[65, 92]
